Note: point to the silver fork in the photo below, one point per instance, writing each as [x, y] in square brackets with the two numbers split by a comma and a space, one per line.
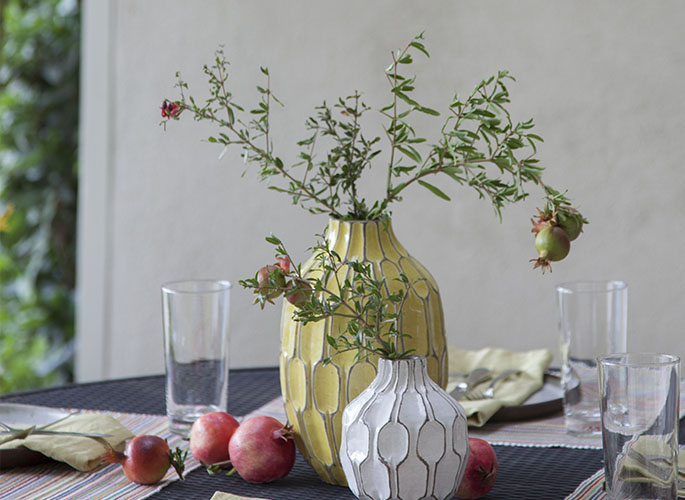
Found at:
[476, 377]
[11, 433]
[489, 393]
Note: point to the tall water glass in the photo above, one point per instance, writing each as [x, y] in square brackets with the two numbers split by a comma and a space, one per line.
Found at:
[592, 322]
[640, 396]
[195, 317]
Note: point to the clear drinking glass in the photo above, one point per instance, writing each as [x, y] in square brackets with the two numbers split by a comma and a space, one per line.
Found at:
[195, 318]
[640, 396]
[592, 322]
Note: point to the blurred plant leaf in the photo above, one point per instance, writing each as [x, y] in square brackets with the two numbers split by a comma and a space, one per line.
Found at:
[39, 75]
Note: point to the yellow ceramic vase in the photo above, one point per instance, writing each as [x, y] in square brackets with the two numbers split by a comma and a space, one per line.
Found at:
[316, 395]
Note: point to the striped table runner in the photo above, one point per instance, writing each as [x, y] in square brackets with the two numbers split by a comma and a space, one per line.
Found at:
[543, 433]
[590, 489]
[53, 481]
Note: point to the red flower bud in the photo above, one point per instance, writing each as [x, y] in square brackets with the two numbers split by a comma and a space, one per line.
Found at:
[170, 109]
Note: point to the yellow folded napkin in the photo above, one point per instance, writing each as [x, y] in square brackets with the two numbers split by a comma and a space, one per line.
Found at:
[82, 453]
[647, 461]
[511, 391]
[221, 495]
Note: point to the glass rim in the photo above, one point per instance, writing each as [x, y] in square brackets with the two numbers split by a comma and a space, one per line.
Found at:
[591, 286]
[194, 286]
[638, 359]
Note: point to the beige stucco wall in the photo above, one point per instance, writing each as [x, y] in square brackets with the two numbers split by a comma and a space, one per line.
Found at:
[603, 80]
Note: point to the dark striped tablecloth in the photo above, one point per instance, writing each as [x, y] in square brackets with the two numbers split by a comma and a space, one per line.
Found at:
[524, 473]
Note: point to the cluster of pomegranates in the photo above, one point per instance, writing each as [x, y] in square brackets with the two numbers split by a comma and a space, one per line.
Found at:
[261, 449]
[275, 280]
[554, 231]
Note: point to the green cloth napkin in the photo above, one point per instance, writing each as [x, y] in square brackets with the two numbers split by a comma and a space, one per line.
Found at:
[221, 495]
[82, 453]
[509, 392]
[647, 461]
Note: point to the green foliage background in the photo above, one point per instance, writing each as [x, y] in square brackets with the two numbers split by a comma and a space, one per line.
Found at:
[39, 78]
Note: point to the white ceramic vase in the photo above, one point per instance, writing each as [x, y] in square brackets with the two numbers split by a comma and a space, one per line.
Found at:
[404, 437]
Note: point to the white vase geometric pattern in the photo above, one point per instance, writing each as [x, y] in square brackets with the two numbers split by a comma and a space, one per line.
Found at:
[404, 437]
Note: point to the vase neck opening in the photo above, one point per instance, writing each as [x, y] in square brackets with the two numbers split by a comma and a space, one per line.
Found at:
[412, 366]
[350, 239]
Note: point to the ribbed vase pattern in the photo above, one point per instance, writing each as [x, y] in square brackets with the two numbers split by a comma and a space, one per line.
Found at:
[404, 437]
[315, 394]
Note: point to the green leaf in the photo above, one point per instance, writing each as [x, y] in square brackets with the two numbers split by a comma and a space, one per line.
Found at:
[419, 46]
[403, 169]
[273, 240]
[453, 172]
[410, 152]
[407, 99]
[433, 189]
[428, 111]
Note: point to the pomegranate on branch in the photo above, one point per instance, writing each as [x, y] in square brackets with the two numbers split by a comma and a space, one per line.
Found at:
[555, 229]
[480, 146]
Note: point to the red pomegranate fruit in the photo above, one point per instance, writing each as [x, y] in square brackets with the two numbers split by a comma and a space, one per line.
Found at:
[271, 280]
[145, 460]
[262, 449]
[481, 470]
[298, 292]
[209, 437]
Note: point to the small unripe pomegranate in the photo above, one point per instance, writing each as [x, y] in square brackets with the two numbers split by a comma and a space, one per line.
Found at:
[571, 222]
[552, 244]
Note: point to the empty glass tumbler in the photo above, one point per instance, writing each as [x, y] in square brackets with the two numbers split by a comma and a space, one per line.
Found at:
[592, 322]
[195, 318]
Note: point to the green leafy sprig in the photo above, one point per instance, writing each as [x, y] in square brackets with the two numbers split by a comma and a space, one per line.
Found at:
[369, 306]
[479, 145]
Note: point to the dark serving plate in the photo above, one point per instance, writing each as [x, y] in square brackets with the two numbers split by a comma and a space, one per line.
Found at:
[547, 401]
